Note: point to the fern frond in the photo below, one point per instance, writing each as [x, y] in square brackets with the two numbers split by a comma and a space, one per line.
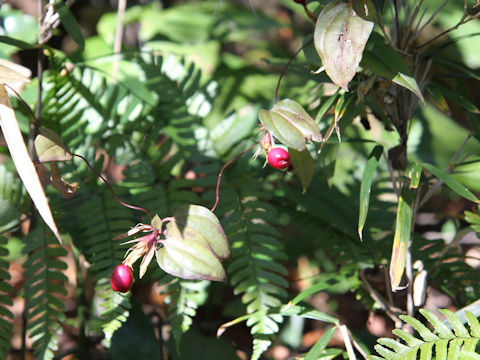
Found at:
[256, 270]
[6, 316]
[441, 343]
[44, 288]
[182, 301]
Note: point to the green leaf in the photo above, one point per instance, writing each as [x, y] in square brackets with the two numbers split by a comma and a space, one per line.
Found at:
[414, 173]
[409, 83]
[15, 42]
[387, 62]
[317, 349]
[69, 23]
[455, 96]
[401, 239]
[199, 219]
[451, 182]
[49, 147]
[194, 242]
[303, 165]
[291, 124]
[340, 37]
[366, 185]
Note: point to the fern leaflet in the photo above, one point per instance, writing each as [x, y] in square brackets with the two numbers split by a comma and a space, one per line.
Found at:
[442, 343]
[43, 289]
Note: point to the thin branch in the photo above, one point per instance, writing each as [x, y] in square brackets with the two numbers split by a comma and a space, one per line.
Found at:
[111, 189]
[284, 71]
[34, 117]
[217, 190]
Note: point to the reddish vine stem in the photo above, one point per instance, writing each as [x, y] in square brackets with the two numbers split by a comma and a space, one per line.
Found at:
[284, 71]
[217, 191]
[310, 14]
[111, 189]
[36, 121]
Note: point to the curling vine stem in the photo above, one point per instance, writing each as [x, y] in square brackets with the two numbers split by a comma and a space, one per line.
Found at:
[111, 189]
[284, 71]
[217, 191]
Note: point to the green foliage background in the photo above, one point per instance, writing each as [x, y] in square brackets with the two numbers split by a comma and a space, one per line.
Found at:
[184, 102]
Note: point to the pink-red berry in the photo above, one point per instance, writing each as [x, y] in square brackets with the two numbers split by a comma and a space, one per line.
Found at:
[122, 278]
[278, 158]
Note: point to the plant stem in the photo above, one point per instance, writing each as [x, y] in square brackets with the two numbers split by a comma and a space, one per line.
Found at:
[284, 71]
[111, 189]
[311, 15]
[217, 191]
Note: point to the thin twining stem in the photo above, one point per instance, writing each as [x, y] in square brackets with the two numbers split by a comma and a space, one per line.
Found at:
[217, 190]
[111, 189]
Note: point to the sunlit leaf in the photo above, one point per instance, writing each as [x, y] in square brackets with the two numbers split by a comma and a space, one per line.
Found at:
[401, 238]
[290, 123]
[340, 37]
[49, 147]
[22, 161]
[187, 255]
[303, 165]
[451, 182]
[205, 223]
[366, 185]
[194, 243]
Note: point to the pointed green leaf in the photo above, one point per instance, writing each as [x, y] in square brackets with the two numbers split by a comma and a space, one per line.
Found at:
[16, 42]
[441, 350]
[340, 37]
[451, 182]
[49, 147]
[199, 219]
[394, 345]
[411, 340]
[401, 239]
[439, 326]
[69, 23]
[317, 349]
[458, 327]
[455, 96]
[473, 323]
[414, 173]
[409, 83]
[303, 165]
[365, 187]
[387, 62]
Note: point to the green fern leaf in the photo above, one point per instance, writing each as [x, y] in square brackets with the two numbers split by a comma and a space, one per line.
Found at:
[185, 296]
[447, 346]
[6, 321]
[43, 288]
[256, 270]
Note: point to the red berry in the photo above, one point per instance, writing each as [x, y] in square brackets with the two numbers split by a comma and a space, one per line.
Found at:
[121, 279]
[278, 158]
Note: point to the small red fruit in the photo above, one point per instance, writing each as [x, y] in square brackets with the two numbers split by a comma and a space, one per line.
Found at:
[278, 158]
[121, 279]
